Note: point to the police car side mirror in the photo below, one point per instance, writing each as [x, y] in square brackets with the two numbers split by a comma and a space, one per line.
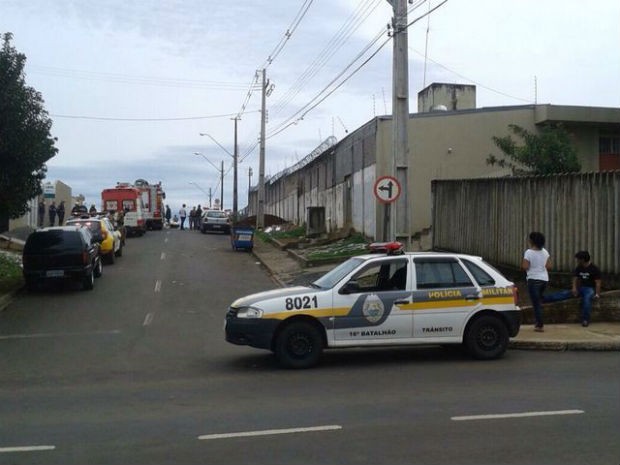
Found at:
[350, 287]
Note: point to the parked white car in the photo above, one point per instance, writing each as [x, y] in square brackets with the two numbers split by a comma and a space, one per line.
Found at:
[391, 298]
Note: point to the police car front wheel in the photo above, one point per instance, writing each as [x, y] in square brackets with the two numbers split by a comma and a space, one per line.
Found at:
[298, 345]
[487, 338]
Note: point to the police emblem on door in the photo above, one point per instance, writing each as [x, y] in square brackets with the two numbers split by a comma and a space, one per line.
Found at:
[373, 309]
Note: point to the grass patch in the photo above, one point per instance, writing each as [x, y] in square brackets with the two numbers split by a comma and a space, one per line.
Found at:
[11, 276]
[300, 231]
[345, 248]
[263, 236]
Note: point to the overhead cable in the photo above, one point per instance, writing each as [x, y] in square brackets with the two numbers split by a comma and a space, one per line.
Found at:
[275, 52]
[326, 91]
[103, 118]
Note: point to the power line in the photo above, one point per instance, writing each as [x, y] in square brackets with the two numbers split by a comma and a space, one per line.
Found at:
[289, 32]
[319, 98]
[471, 80]
[138, 80]
[275, 52]
[310, 108]
[351, 24]
[103, 118]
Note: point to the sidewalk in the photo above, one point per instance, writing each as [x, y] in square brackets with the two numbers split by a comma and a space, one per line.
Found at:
[599, 336]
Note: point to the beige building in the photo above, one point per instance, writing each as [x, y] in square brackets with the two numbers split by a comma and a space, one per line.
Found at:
[55, 191]
[443, 144]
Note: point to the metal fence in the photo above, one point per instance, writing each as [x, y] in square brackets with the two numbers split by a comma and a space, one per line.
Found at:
[493, 217]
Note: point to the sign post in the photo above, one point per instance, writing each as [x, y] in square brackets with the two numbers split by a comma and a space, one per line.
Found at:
[387, 189]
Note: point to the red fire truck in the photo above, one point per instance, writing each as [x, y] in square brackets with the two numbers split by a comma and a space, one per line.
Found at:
[153, 199]
[128, 198]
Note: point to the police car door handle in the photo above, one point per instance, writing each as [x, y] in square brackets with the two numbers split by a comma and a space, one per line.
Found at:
[401, 302]
[472, 297]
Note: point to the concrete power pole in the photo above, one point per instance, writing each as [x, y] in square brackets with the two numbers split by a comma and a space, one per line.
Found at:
[222, 185]
[399, 225]
[210, 197]
[235, 162]
[260, 215]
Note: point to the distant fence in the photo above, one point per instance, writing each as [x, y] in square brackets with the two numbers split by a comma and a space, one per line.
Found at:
[492, 217]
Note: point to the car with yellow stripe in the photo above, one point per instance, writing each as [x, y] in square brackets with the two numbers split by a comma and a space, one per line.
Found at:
[390, 298]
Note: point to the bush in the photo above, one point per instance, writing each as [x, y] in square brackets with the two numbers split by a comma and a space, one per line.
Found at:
[11, 276]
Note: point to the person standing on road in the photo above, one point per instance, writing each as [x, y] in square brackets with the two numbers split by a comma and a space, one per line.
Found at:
[182, 216]
[198, 218]
[60, 211]
[168, 214]
[51, 211]
[586, 283]
[192, 218]
[536, 263]
[41, 212]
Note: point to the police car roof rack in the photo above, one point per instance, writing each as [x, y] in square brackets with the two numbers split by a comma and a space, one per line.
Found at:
[388, 248]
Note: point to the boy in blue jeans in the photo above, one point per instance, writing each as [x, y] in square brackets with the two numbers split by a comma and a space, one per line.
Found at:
[586, 283]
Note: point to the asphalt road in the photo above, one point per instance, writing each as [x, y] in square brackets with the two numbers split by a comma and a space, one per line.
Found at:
[137, 371]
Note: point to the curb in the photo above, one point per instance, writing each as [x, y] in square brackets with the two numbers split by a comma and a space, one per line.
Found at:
[610, 346]
[273, 275]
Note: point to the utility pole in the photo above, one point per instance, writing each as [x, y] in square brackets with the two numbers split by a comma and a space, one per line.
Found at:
[399, 216]
[249, 183]
[235, 162]
[260, 214]
[222, 185]
[210, 197]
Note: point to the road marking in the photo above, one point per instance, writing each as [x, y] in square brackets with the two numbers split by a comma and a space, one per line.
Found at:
[269, 432]
[517, 415]
[166, 239]
[148, 319]
[44, 335]
[26, 449]
[157, 286]
[163, 256]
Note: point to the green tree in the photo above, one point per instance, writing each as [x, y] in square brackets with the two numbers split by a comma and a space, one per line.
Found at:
[25, 140]
[548, 152]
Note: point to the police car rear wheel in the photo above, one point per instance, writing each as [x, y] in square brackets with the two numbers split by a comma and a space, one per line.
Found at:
[299, 345]
[487, 338]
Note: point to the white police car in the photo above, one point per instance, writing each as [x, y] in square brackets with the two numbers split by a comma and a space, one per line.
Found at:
[391, 298]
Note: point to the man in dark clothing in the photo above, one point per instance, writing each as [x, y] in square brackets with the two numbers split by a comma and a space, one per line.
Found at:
[198, 218]
[51, 211]
[41, 212]
[586, 283]
[168, 214]
[60, 211]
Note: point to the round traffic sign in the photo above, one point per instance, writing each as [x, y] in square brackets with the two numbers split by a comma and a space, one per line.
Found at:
[387, 189]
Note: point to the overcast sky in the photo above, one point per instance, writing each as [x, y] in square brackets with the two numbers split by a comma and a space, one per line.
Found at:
[108, 68]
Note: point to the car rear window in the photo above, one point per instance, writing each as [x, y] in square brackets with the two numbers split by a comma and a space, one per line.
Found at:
[483, 278]
[40, 242]
[216, 215]
[94, 226]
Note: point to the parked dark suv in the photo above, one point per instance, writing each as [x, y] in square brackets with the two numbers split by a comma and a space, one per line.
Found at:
[61, 253]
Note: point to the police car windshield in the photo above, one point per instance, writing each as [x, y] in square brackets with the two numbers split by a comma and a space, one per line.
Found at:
[333, 277]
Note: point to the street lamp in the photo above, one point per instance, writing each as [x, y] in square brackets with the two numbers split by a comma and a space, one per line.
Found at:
[221, 170]
[235, 157]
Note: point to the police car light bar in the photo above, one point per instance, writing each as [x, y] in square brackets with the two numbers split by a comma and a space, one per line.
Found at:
[389, 248]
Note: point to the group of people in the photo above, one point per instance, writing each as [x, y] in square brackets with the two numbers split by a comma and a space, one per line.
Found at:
[586, 281]
[195, 217]
[53, 212]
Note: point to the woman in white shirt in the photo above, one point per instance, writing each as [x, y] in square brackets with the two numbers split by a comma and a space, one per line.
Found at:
[536, 262]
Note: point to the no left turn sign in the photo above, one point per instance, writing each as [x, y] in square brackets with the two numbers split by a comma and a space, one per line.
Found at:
[387, 189]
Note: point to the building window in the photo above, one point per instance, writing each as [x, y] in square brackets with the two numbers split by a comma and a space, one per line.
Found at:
[609, 145]
[609, 152]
